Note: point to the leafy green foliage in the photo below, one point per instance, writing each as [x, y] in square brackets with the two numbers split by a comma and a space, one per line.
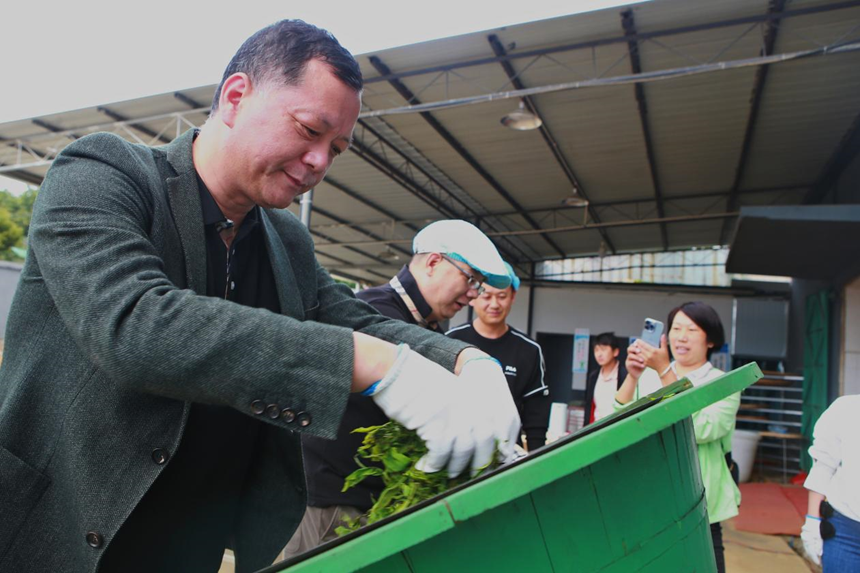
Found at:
[393, 451]
[15, 213]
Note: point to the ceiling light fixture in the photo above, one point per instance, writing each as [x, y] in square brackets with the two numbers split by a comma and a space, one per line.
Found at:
[575, 199]
[388, 255]
[521, 119]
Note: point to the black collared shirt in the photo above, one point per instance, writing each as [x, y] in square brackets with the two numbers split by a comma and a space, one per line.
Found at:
[328, 462]
[185, 520]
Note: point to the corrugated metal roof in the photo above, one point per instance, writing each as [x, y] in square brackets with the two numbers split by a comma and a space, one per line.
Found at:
[404, 174]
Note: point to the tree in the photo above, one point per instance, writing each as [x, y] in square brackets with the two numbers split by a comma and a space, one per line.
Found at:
[15, 214]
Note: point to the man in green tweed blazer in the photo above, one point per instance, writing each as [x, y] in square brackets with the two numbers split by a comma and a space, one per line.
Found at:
[112, 344]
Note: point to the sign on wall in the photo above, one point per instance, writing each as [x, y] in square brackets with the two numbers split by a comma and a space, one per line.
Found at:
[580, 350]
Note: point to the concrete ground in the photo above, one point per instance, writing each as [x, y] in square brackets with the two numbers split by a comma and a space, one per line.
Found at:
[754, 552]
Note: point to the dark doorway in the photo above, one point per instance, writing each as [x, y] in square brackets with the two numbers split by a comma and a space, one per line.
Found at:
[558, 356]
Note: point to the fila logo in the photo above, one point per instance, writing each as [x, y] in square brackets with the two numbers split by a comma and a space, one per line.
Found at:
[510, 370]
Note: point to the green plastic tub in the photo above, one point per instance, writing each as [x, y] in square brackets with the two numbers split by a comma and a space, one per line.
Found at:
[622, 495]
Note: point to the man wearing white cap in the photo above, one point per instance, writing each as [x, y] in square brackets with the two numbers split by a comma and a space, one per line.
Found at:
[520, 356]
[452, 261]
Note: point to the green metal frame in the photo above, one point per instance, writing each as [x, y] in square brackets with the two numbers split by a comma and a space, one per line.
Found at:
[513, 504]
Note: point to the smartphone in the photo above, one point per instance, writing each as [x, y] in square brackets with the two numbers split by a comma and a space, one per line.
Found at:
[651, 332]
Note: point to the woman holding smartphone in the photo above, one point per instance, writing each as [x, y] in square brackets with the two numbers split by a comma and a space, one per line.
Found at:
[694, 332]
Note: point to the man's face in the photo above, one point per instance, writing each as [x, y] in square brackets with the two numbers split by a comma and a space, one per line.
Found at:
[494, 305]
[605, 354]
[283, 139]
[448, 286]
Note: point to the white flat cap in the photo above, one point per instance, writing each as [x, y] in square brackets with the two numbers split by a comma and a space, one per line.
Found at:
[464, 242]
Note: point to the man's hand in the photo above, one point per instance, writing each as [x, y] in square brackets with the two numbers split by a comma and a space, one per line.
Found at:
[427, 398]
[810, 534]
[497, 422]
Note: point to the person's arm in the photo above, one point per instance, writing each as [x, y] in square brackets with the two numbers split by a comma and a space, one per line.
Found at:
[826, 453]
[715, 421]
[813, 507]
[373, 358]
[536, 405]
[635, 365]
[99, 239]
[339, 306]
[826, 448]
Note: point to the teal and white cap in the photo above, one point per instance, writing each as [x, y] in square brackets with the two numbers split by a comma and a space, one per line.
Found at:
[464, 242]
[515, 280]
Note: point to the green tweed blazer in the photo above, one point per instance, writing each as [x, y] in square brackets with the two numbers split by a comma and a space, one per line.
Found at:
[109, 341]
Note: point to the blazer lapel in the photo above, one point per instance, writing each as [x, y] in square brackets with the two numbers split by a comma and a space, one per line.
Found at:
[285, 278]
[184, 199]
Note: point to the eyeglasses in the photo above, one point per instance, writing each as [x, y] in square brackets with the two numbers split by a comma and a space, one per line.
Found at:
[474, 283]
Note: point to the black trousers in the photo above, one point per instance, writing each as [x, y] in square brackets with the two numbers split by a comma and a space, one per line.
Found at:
[719, 550]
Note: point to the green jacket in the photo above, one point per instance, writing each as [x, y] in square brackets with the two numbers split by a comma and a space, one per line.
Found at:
[108, 342]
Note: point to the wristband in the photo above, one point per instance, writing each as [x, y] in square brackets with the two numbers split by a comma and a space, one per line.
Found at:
[813, 517]
[393, 372]
[666, 371]
[481, 358]
[371, 390]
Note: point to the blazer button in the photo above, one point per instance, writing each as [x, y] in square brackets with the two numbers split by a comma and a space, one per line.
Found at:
[94, 539]
[257, 407]
[304, 419]
[288, 415]
[273, 411]
[160, 456]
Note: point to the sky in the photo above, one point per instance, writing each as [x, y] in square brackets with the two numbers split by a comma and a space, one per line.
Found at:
[60, 56]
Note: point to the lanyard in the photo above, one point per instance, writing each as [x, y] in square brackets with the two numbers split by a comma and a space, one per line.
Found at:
[410, 304]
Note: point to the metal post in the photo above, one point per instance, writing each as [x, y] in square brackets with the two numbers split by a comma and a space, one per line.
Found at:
[532, 288]
[306, 203]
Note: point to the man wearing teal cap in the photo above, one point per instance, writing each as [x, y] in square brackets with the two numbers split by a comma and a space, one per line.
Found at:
[452, 263]
[520, 356]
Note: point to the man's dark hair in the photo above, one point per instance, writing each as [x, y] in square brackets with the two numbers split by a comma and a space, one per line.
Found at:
[607, 339]
[705, 318]
[285, 48]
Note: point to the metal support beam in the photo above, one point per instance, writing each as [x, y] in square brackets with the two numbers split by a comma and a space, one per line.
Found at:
[633, 51]
[575, 228]
[438, 184]
[53, 128]
[407, 94]
[141, 128]
[394, 174]
[638, 37]
[774, 7]
[532, 289]
[362, 230]
[187, 100]
[548, 138]
[335, 243]
[846, 151]
[24, 176]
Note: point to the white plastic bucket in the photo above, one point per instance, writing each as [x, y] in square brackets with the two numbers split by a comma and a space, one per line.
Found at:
[744, 445]
[557, 421]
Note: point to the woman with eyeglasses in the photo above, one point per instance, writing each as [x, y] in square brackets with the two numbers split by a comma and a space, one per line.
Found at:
[831, 533]
[695, 331]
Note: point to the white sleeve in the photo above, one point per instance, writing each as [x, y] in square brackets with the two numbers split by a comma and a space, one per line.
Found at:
[826, 448]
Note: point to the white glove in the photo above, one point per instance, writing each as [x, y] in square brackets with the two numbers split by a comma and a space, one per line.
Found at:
[492, 409]
[424, 397]
[810, 534]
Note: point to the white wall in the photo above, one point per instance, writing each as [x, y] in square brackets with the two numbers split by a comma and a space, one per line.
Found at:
[9, 273]
[849, 382]
[562, 310]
